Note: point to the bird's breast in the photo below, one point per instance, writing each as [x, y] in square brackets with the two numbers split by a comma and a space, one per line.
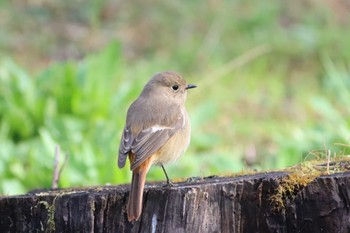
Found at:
[176, 145]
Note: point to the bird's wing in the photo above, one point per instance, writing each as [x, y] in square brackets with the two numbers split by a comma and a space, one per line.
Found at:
[147, 142]
[125, 146]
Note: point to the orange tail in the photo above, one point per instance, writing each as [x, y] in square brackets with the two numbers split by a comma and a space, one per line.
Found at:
[134, 207]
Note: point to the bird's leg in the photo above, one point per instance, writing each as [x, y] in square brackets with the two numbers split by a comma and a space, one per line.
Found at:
[169, 183]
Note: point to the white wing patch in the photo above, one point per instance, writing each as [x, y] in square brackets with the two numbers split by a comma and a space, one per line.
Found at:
[156, 128]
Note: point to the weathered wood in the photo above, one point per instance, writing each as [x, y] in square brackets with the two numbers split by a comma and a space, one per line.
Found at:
[217, 204]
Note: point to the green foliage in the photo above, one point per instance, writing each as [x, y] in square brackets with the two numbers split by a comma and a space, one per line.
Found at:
[79, 106]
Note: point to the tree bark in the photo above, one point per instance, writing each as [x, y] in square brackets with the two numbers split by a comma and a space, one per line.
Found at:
[213, 204]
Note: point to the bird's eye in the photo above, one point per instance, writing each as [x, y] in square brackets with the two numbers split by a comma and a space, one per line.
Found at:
[175, 87]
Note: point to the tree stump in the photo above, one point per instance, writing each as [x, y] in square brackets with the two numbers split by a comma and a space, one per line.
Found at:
[250, 203]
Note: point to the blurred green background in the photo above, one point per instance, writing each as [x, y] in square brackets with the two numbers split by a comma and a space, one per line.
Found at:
[273, 77]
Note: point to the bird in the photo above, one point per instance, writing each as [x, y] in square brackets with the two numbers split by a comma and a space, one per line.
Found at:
[157, 131]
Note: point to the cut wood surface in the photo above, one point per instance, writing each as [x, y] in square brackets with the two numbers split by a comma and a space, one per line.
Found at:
[214, 204]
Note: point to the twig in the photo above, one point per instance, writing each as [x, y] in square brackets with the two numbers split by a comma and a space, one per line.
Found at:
[66, 158]
[328, 160]
[56, 173]
[56, 170]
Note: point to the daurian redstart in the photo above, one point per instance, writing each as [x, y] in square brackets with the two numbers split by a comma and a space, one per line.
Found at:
[157, 131]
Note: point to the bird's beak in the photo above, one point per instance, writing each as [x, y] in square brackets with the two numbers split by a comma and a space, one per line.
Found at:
[189, 86]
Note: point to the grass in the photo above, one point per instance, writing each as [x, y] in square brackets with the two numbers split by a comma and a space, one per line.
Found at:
[273, 85]
[304, 173]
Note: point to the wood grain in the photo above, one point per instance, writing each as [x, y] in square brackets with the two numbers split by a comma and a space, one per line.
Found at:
[216, 204]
